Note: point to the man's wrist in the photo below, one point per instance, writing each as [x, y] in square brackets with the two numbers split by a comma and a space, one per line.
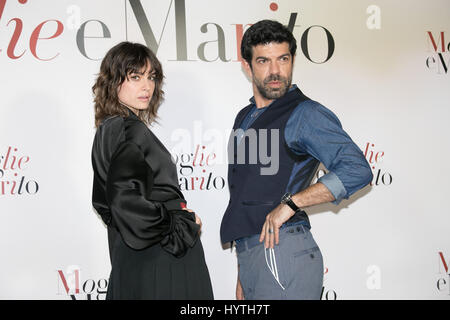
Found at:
[289, 202]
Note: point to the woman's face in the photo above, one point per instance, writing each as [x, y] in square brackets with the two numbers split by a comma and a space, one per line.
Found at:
[137, 90]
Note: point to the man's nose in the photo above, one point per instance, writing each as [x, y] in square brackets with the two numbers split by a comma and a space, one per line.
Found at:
[274, 68]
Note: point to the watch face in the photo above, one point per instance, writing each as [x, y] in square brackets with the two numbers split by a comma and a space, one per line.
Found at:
[285, 198]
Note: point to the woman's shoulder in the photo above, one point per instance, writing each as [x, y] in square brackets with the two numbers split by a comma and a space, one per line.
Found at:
[136, 130]
[111, 125]
[111, 121]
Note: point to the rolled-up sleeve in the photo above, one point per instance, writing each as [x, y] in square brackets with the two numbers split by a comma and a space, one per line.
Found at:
[313, 129]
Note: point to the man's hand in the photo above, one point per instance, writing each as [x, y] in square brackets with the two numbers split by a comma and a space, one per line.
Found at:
[273, 222]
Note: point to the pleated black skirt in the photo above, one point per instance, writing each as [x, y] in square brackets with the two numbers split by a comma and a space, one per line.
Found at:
[155, 274]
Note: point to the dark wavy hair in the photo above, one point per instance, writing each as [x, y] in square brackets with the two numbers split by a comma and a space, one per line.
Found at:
[119, 62]
[264, 32]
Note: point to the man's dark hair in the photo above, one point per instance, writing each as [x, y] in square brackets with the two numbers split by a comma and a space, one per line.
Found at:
[264, 32]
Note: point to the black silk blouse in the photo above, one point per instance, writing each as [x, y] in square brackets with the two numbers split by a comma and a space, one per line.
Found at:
[135, 189]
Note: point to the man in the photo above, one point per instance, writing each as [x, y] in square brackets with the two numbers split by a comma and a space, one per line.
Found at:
[277, 255]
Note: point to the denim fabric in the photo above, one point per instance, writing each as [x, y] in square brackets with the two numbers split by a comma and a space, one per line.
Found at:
[313, 129]
[299, 264]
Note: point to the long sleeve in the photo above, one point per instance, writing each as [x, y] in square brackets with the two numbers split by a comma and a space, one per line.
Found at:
[141, 221]
[315, 130]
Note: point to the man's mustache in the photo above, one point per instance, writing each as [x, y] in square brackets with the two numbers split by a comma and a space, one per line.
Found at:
[274, 77]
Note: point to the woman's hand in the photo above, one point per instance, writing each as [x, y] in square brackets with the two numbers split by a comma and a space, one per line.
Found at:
[197, 218]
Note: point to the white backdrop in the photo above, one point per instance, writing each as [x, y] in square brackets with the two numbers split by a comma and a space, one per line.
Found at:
[387, 80]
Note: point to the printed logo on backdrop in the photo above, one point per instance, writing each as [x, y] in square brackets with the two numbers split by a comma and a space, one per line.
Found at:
[196, 154]
[374, 156]
[209, 51]
[443, 282]
[13, 179]
[327, 293]
[196, 170]
[71, 284]
[439, 59]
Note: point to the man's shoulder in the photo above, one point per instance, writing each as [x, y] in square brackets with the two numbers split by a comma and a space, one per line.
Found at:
[241, 114]
[244, 110]
[310, 108]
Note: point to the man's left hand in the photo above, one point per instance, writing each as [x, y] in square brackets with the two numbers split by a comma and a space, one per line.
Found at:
[271, 228]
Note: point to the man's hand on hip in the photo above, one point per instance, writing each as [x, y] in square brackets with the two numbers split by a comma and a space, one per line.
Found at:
[271, 228]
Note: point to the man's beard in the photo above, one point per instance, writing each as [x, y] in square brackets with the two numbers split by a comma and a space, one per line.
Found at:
[273, 93]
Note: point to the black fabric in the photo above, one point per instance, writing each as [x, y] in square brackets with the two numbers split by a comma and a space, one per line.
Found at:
[153, 273]
[135, 191]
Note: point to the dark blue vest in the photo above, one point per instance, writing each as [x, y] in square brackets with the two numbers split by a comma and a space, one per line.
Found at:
[252, 194]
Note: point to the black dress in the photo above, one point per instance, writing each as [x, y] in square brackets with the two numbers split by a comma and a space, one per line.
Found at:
[154, 245]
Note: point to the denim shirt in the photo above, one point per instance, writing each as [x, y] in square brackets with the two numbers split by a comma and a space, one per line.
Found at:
[315, 130]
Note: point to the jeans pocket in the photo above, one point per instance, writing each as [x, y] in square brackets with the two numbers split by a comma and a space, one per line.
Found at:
[312, 253]
[307, 268]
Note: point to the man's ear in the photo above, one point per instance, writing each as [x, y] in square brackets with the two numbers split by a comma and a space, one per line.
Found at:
[247, 68]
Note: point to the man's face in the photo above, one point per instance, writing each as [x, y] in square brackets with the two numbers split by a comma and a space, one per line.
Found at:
[271, 69]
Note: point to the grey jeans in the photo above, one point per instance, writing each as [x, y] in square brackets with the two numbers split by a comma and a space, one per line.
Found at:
[296, 272]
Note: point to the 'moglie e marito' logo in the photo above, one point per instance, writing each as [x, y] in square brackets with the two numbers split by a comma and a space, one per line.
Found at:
[439, 59]
[327, 293]
[374, 156]
[195, 170]
[52, 28]
[71, 284]
[443, 283]
[13, 181]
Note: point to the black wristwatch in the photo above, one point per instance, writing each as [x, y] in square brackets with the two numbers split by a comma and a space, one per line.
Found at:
[287, 199]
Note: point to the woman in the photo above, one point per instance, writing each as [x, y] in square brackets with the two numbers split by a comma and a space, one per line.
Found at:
[154, 242]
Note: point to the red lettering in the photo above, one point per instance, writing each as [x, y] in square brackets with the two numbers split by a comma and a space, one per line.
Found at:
[433, 42]
[2, 6]
[380, 153]
[13, 187]
[443, 262]
[35, 37]
[19, 164]
[66, 287]
[14, 39]
[239, 35]
[64, 281]
[195, 155]
[213, 155]
[201, 183]
[7, 158]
